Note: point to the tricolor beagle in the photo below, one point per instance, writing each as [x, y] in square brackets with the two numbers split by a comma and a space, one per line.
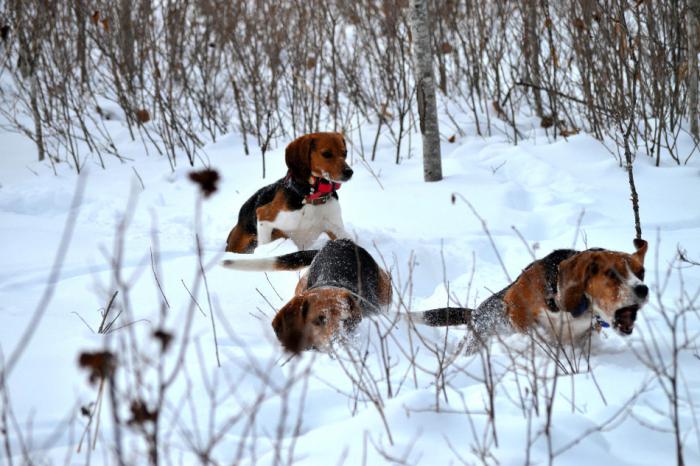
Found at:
[567, 294]
[303, 204]
[342, 285]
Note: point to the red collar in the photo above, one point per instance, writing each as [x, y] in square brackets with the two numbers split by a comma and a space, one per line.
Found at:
[321, 190]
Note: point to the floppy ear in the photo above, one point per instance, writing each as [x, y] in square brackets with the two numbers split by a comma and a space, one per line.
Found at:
[289, 324]
[641, 246]
[355, 312]
[298, 157]
[573, 277]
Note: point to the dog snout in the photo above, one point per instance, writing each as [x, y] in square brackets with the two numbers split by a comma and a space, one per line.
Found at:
[347, 173]
[642, 291]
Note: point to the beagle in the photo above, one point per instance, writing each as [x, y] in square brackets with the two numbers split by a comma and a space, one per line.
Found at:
[303, 204]
[567, 294]
[342, 285]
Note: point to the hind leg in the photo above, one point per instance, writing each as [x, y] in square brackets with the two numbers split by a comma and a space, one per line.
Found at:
[335, 228]
[385, 292]
[241, 242]
[277, 234]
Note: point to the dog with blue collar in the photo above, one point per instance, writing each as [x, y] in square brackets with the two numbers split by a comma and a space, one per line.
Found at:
[566, 294]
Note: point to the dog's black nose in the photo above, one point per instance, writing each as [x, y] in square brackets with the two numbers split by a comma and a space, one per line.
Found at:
[347, 173]
[641, 290]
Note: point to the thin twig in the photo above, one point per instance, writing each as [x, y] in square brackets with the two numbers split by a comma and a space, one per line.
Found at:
[485, 228]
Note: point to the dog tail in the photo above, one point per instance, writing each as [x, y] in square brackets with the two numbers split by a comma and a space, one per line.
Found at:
[442, 317]
[293, 261]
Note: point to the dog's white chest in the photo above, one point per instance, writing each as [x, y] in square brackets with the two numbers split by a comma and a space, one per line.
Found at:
[563, 326]
[304, 226]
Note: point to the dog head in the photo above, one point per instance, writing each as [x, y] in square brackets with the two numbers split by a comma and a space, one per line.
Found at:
[319, 154]
[610, 284]
[312, 319]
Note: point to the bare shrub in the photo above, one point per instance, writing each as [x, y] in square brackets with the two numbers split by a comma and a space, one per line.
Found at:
[180, 74]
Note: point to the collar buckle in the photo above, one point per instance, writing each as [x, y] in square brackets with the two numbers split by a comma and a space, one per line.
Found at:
[599, 324]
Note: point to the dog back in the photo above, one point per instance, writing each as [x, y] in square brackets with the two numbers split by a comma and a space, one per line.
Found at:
[343, 264]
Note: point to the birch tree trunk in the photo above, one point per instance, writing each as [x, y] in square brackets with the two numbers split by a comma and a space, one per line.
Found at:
[425, 91]
[693, 39]
[532, 52]
[126, 42]
[80, 9]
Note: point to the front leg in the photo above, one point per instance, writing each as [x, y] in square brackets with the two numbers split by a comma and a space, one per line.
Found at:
[267, 219]
[264, 232]
[335, 229]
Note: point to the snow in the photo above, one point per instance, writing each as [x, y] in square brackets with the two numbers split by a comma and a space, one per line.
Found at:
[320, 408]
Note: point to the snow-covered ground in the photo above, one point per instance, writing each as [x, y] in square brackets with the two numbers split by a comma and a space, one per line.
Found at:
[382, 400]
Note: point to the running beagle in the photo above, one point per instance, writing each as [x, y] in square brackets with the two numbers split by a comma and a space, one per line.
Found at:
[342, 285]
[567, 294]
[303, 204]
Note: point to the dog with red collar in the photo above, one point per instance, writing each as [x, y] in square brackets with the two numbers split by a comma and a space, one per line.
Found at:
[302, 205]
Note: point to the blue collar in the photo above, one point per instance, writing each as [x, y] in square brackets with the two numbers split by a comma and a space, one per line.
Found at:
[600, 322]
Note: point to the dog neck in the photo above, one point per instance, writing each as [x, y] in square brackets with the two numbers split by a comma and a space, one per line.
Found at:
[315, 190]
[551, 274]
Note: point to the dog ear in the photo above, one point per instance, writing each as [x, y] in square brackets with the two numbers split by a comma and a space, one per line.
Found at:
[573, 277]
[297, 155]
[641, 246]
[288, 324]
[353, 308]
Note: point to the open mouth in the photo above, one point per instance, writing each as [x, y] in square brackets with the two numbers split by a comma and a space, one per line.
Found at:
[624, 319]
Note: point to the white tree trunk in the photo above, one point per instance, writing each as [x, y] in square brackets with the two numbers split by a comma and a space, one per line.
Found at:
[532, 52]
[693, 38]
[425, 91]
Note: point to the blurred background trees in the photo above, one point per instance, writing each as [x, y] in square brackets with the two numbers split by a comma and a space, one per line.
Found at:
[179, 74]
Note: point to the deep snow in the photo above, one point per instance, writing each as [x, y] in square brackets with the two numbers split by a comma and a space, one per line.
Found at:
[563, 193]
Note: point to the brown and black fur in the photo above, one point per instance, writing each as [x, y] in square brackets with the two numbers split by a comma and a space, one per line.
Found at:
[564, 293]
[342, 285]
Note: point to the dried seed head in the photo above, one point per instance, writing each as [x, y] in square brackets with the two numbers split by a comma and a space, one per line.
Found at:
[140, 414]
[164, 338]
[207, 180]
[143, 116]
[100, 364]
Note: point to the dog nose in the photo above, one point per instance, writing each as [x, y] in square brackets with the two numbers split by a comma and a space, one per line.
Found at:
[641, 290]
[347, 173]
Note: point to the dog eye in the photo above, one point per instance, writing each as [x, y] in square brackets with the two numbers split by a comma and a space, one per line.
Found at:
[612, 274]
[640, 274]
[327, 154]
[320, 320]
